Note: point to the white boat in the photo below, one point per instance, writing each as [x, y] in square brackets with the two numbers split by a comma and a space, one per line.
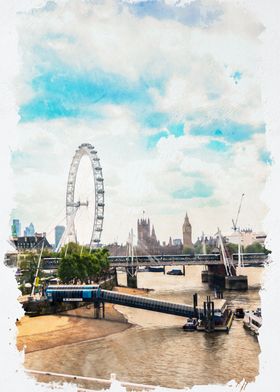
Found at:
[253, 320]
[143, 268]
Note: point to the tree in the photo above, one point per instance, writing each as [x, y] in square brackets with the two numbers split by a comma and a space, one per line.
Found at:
[90, 266]
[198, 249]
[28, 267]
[68, 268]
[188, 250]
[256, 247]
[49, 253]
[70, 248]
[83, 266]
[232, 248]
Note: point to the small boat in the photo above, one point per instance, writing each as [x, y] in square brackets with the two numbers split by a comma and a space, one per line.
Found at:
[156, 269]
[174, 271]
[190, 325]
[253, 321]
[239, 313]
[143, 269]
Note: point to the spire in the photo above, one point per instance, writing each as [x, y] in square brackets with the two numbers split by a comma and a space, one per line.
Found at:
[187, 233]
[187, 218]
[153, 234]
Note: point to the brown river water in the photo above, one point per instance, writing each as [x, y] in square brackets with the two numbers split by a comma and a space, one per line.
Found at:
[157, 351]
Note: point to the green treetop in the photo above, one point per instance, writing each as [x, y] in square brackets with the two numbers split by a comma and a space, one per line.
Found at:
[83, 265]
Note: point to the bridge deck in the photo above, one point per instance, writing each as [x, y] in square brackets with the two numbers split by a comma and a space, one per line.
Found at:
[179, 262]
[170, 260]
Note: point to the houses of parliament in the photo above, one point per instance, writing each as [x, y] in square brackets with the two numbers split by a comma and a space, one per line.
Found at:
[148, 244]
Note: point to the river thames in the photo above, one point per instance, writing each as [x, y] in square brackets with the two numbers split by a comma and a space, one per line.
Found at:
[156, 350]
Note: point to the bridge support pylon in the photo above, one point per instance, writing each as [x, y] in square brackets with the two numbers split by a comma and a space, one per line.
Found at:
[204, 276]
[115, 276]
[184, 270]
[239, 282]
[195, 311]
[209, 315]
[216, 276]
[131, 273]
[98, 306]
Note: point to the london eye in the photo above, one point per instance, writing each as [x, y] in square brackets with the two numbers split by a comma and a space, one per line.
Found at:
[73, 205]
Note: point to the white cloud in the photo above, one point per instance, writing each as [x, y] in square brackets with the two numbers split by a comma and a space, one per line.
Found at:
[196, 63]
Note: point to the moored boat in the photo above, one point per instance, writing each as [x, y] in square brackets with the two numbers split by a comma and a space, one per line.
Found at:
[239, 313]
[142, 268]
[175, 271]
[253, 321]
[156, 269]
[190, 325]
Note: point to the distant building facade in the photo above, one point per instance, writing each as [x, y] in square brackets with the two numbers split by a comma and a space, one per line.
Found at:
[58, 233]
[248, 237]
[31, 243]
[187, 233]
[147, 242]
[116, 249]
[205, 244]
[177, 242]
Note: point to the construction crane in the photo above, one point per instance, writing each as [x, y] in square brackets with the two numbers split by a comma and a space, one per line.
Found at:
[238, 212]
[240, 257]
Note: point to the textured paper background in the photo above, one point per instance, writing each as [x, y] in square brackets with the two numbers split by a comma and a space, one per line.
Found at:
[12, 375]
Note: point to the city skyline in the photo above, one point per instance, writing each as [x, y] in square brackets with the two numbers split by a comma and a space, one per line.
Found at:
[177, 121]
[56, 233]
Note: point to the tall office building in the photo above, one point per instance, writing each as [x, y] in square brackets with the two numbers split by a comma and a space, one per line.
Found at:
[59, 230]
[29, 231]
[16, 228]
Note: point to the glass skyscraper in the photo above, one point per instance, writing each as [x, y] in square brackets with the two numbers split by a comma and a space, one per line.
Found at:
[59, 230]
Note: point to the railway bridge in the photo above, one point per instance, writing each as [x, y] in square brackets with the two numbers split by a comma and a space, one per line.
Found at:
[249, 259]
[215, 272]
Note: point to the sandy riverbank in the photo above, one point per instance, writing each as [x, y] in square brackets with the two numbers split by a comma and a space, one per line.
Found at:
[128, 290]
[73, 326]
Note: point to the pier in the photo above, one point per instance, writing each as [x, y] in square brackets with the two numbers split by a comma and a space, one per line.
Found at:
[213, 314]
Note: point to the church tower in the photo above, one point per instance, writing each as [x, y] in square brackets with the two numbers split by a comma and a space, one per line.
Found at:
[143, 229]
[187, 233]
[153, 236]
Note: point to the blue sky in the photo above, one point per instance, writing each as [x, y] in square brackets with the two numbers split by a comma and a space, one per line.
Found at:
[66, 93]
[228, 130]
[198, 190]
[166, 92]
[192, 14]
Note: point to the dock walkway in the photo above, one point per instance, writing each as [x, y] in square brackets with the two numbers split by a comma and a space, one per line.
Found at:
[94, 294]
